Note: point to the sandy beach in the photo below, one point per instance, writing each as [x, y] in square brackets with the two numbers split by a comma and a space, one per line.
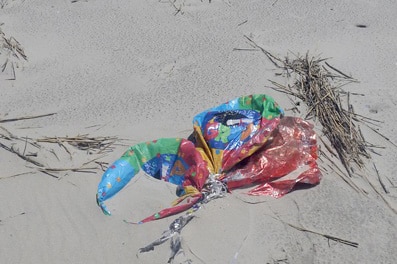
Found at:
[134, 71]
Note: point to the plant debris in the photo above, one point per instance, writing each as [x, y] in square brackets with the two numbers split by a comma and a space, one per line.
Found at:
[318, 84]
[333, 238]
[84, 142]
[11, 51]
[24, 118]
[90, 144]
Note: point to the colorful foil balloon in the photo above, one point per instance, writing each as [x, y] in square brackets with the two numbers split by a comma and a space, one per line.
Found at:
[242, 142]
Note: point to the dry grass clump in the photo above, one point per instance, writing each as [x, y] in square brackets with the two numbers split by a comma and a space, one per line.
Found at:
[96, 145]
[314, 86]
[319, 86]
[91, 145]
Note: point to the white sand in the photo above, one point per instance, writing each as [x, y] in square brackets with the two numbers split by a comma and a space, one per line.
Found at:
[140, 72]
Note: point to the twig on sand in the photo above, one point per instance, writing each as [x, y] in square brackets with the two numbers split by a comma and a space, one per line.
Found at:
[83, 142]
[383, 136]
[9, 136]
[380, 180]
[102, 164]
[338, 71]
[24, 118]
[333, 238]
[18, 174]
[95, 161]
[78, 169]
[4, 66]
[16, 152]
[12, 216]
[99, 144]
[391, 207]
[50, 171]
[13, 45]
[242, 23]
[177, 9]
[342, 175]
[12, 50]
[300, 228]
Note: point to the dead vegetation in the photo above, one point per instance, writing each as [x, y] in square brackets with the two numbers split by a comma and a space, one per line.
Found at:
[94, 148]
[11, 54]
[92, 145]
[318, 85]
